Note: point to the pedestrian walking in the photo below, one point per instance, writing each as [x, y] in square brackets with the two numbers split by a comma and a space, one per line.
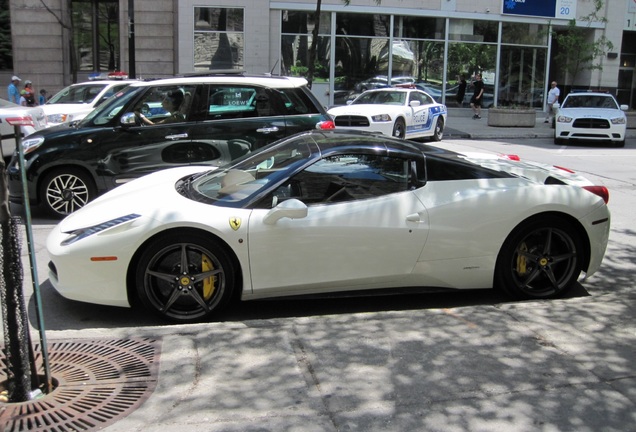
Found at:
[475, 101]
[553, 98]
[12, 90]
[42, 98]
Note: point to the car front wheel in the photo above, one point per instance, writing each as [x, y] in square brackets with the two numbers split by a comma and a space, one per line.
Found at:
[184, 277]
[64, 191]
[542, 258]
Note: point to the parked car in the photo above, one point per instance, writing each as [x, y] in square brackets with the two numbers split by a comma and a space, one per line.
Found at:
[331, 211]
[591, 117]
[74, 102]
[382, 81]
[219, 118]
[9, 110]
[399, 112]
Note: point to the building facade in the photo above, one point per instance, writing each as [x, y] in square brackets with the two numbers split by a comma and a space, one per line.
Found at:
[358, 46]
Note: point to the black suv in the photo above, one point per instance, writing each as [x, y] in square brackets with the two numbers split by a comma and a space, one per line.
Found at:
[160, 124]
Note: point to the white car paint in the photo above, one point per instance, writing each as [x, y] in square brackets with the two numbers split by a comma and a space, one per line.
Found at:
[420, 117]
[10, 110]
[443, 234]
[74, 102]
[592, 117]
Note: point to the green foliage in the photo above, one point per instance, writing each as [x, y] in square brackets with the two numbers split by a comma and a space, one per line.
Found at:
[576, 48]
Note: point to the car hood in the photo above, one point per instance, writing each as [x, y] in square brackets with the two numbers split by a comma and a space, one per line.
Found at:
[364, 109]
[591, 112]
[139, 196]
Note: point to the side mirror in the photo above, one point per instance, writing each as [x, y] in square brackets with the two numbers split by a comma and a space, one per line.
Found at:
[625, 107]
[128, 119]
[291, 208]
[414, 103]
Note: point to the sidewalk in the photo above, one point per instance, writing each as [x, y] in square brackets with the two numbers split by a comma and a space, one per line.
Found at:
[461, 125]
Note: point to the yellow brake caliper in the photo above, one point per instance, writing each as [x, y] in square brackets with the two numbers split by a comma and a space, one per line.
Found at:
[210, 282]
[521, 260]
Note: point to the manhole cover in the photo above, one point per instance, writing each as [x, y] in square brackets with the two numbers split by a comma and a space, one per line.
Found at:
[96, 384]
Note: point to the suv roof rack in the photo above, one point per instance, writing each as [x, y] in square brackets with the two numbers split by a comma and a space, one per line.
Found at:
[219, 72]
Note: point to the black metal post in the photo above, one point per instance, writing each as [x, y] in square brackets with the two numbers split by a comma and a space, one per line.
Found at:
[131, 39]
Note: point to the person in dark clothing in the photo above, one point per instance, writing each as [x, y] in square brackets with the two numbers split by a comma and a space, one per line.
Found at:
[461, 90]
[475, 101]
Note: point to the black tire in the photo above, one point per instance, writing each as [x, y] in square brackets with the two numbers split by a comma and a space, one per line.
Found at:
[541, 258]
[399, 128]
[559, 141]
[189, 295]
[619, 144]
[66, 190]
[438, 133]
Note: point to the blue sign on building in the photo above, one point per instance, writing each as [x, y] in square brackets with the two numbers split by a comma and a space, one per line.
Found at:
[542, 8]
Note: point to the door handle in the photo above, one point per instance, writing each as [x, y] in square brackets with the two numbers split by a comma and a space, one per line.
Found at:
[267, 130]
[415, 217]
[176, 137]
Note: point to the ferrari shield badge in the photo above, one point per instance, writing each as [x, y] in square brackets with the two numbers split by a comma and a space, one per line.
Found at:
[235, 222]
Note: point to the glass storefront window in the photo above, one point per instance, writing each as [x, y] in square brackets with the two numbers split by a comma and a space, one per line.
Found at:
[409, 27]
[300, 22]
[353, 24]
[524, 34]
[522, 73]
[473, 31]
[467, 60]
[218, 38]
[97, 46]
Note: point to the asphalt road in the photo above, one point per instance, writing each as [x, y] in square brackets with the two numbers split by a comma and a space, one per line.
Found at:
[433, 362]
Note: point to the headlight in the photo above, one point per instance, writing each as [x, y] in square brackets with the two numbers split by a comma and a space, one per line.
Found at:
[82, 233]
[381, 118]
[618, 120]
[31, 143]
[564, 119]
[58, 118]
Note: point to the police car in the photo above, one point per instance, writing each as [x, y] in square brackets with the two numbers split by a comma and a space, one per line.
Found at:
[591, 116]
[401, 112]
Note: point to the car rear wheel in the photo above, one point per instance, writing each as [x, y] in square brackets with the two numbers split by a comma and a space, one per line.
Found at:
[64, 191]
[438, 133]
[184, 277]
[542, 258]
[399, 128]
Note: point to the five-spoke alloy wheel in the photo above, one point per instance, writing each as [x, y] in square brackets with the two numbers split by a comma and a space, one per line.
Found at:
[185, 277]
[540, 259]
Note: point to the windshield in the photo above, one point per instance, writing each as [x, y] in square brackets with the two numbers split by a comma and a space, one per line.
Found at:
[77, 94]
[112, 107]
[255, 172]
[590, 101]
[381, 98]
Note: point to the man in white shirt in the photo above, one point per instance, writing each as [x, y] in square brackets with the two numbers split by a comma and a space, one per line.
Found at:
[553, 97]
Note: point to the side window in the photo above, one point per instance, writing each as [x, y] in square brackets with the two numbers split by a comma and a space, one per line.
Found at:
[165, 104]
[347, 177]
[297, 101]
[424, 100]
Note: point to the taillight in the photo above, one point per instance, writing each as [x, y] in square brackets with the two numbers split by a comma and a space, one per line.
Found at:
[600, 191]
[512, 157]
[327, 124]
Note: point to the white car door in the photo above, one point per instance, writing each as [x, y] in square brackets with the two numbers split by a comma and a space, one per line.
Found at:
[421, 122]
[359, 232]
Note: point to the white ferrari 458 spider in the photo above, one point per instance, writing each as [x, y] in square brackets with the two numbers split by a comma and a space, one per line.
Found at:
[331, 211]
[404, 112]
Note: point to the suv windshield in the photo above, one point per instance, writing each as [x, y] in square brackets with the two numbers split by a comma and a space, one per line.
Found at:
[105, 112]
